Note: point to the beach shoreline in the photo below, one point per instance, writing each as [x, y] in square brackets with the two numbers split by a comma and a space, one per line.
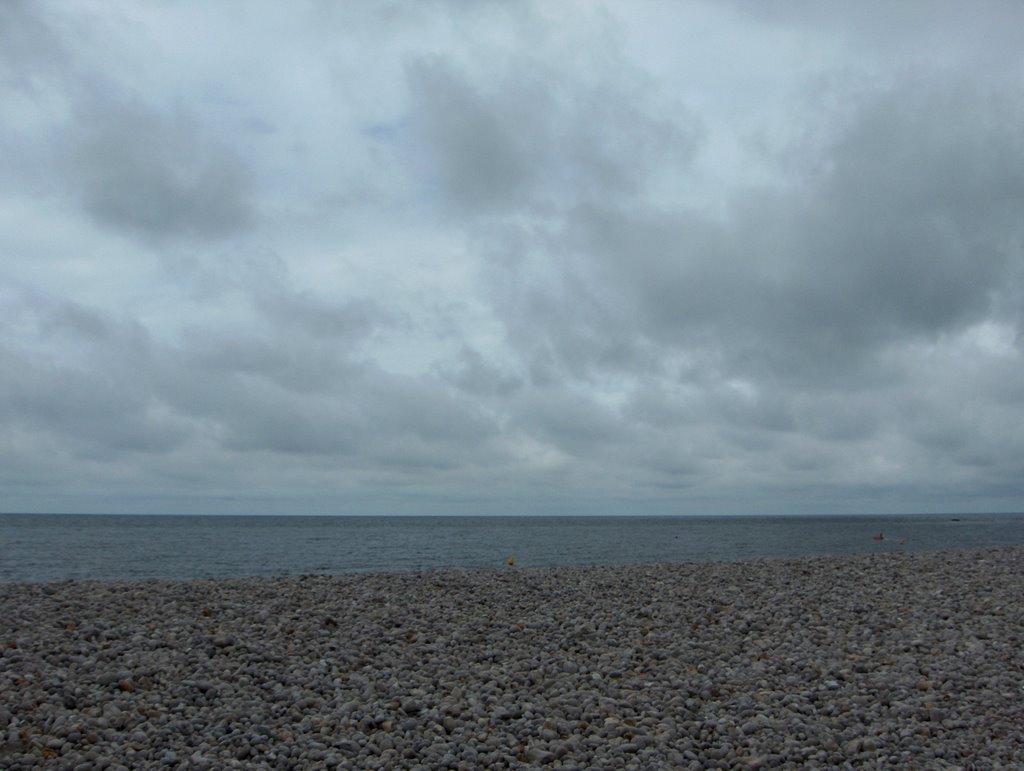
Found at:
[908, 660]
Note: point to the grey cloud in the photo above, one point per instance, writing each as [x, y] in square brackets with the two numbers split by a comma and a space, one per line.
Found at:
[132, 166]
[302, 385]
[958, 411]
[256, 418]
[368, 417]
[31, 51]
[572, 421]
[899, 235]
[922, 203]
[33, 65]
[155, 175]
[339, 320]
[564, 316]
[539, 137]
[841, 333]
[99, 416]
[262, 277]
[842, 417]
[264, 395]
[91, 402]
[299, 366]
[419, 407]
[908, 230]
[474, 374]
[572, 335]
[75, 320]
[482, 159]
[985, 33]
[652, 404]
[770, 411]
[253, 272]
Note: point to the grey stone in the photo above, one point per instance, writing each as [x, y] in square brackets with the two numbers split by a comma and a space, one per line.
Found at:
[472, 675]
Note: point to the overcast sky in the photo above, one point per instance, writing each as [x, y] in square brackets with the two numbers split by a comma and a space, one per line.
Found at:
[511, 257]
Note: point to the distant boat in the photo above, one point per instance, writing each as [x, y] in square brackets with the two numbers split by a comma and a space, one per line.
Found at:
[878, 537]
[955, 519]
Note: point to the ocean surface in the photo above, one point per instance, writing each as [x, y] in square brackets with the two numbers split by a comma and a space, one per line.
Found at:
[51, 547]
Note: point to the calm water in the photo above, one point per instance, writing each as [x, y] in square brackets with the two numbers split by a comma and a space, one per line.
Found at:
[60, 547]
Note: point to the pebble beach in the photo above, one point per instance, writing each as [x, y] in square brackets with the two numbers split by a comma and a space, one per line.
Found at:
[881, 661]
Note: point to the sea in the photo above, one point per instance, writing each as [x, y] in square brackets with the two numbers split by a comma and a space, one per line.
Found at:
[74, 547]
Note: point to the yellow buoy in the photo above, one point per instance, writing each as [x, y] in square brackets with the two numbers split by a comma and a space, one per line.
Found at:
[511, 561]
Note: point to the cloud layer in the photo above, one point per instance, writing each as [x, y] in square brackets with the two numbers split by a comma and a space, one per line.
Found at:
[584, 258]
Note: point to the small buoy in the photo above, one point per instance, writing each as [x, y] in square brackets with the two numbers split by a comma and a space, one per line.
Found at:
[511, 561]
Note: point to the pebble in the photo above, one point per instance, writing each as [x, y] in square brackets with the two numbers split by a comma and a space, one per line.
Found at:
[871, 661]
